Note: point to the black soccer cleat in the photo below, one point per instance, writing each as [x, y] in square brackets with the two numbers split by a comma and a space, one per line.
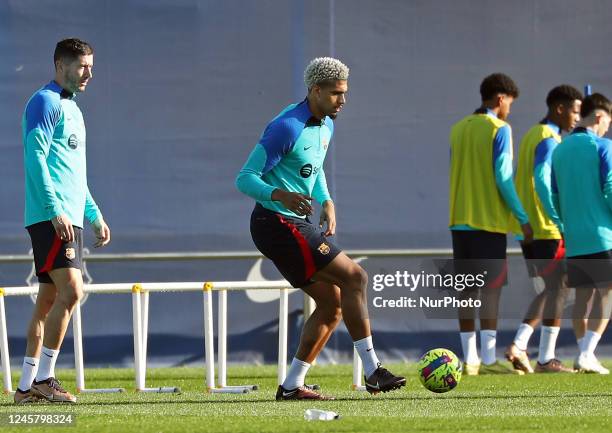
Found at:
[382, 380]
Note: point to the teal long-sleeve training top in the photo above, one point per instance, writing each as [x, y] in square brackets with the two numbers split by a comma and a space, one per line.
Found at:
[54, 158]
[288, 156]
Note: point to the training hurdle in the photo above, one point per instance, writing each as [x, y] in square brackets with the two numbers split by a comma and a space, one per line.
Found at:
[140, 316]
[140, 306]
[76, 330]
[222, 288]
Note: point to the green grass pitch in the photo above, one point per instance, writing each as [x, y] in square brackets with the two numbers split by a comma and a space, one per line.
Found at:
[550, 403]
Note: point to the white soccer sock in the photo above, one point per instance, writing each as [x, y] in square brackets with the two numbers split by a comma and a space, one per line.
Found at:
[523, 334]
[468, 345]
[297, 373]
[46, 369]
[589, 343]
[488, 338]
[366, 352]
[580, 342]
[28, 373]
[548, 341]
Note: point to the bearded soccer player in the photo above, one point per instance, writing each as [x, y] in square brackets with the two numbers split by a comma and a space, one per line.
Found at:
[545, 255]
[482, 196]
[57, 199]
[582, 197]
[283, 174]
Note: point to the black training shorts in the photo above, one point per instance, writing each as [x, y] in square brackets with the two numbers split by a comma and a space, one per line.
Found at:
[545, 257]
[50, 252]
[478, 252]
[590, 270]
[297, 247]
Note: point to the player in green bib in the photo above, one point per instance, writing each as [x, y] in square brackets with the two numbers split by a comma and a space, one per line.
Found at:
[482, 197]
[546, 254]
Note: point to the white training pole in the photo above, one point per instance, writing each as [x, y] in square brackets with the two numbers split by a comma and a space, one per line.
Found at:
[208, 338]
[143, 321]
[77, 335]
[209, 347]
[4, 350]
[222, 350]
[357, 372]
[222, 338]
[144, 298]
[136, 319]
[282, 335]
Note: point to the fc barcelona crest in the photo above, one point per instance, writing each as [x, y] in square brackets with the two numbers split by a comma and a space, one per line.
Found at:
[324, 249]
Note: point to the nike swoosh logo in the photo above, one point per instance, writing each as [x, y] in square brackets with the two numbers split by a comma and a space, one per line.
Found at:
[47, 396]
[306, 148]
[46, 354]
[33, 365]
[368, 350]
[375, 386]
[287, 394]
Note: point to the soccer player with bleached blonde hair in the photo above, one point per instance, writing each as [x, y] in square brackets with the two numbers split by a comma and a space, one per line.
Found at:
[284, 173]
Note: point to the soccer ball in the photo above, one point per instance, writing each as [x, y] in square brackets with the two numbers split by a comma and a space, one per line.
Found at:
[439, 370]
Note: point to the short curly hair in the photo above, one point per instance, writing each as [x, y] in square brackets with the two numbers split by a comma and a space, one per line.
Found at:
[563, 94]
[324, 69]
[498, 83]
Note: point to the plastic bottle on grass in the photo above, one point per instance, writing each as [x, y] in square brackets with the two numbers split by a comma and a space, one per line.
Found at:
[320, 415]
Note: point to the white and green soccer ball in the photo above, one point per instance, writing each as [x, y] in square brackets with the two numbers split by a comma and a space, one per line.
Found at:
[439, 370]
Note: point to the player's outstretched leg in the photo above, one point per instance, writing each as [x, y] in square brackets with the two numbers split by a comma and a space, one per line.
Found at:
[353, 282]
[317, 330]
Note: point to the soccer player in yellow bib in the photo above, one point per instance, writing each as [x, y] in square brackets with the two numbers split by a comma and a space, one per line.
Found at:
[482, 196]
[545, 255]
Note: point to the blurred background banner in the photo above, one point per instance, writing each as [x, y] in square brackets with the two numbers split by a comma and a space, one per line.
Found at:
[183, 89]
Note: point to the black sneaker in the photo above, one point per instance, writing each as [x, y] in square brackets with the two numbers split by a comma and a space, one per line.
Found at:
[383, 380]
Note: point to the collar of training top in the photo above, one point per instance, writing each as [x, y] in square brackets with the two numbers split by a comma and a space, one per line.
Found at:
[312, 120]
[64, 94]
[582, 130]
[546, 121]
